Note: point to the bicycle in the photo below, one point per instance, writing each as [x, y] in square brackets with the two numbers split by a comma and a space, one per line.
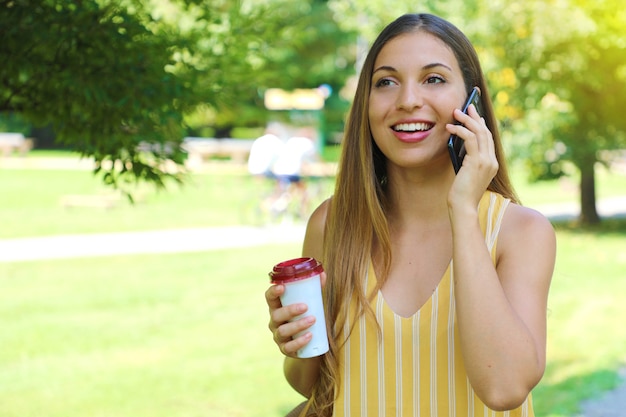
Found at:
[284, 201]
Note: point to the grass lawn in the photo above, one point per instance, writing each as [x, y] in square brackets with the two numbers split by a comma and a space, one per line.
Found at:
[162, 335]
[608, 184]
[586, 333]
[186, 335]
[32, 201]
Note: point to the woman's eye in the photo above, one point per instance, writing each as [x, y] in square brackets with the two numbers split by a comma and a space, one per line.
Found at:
[435, 79]
[384, 82]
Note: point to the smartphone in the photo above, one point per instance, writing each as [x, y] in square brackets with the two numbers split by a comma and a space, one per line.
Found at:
[456, 145]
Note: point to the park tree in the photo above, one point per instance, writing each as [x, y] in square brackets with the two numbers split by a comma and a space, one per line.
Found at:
[561, 88]
[103, 75]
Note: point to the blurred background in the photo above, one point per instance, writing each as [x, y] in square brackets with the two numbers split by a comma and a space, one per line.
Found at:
[137, 237]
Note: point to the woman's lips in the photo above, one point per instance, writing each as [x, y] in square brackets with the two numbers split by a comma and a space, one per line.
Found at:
[412, 132]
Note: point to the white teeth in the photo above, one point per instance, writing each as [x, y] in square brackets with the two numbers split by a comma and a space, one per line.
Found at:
[412, 127]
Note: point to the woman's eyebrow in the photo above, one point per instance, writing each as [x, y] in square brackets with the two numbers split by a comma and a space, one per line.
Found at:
[385, 68]
[435, 65]
[425, 67]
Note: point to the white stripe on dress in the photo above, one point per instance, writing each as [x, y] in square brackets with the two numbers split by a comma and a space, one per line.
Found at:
[398, 338]
[346, 358]
[363, 360]
[493, 236]
[433, 352]
[492, 206]
[381, 356]
[363, 356]
[451, 364]
[416, 364]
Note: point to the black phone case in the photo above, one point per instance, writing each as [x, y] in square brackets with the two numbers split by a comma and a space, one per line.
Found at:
[456, 145]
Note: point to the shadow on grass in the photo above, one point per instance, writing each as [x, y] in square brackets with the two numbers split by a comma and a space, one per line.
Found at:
[609, 226]
[564, 398]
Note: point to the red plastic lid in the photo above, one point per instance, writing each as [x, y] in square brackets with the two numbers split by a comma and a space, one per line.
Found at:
[295, 269]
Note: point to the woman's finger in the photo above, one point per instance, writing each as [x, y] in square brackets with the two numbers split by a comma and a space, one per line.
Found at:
[292, 336]
[287, 331]
[272, 296]
[292, 347]
[285, 314]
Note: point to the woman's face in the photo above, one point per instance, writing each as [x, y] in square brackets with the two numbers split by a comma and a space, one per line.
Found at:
[416, 85]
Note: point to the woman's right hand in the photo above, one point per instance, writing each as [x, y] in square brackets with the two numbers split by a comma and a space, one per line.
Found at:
[281, 326]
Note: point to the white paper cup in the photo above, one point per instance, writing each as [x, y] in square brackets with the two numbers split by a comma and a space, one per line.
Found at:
[301, 278]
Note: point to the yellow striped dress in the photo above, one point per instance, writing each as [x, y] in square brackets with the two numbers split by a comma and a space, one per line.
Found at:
[414, 368]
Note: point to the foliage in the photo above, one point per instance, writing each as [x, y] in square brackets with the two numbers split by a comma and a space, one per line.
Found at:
[568, 80]
[369, 17]
[241, 48]
[103, 76]
[559, 87]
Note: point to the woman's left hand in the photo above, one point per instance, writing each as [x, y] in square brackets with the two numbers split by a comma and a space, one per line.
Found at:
[479, 165]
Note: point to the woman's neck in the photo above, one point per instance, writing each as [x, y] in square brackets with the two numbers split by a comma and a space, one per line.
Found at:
[416, 197]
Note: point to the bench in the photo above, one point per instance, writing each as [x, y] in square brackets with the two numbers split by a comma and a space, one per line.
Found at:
[14, 142]
[202, 149]
[100, 201]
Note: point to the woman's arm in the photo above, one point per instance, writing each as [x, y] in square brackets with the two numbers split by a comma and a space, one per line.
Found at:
[501, 310]
[300, 373]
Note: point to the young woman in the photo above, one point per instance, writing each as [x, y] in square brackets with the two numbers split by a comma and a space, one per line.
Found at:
[436, 284]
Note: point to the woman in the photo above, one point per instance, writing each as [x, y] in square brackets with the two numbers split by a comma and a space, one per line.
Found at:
[436, 284]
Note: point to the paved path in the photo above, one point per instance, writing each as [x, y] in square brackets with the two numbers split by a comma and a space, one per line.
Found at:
[608, 207]
[610, 404]
[157, 241]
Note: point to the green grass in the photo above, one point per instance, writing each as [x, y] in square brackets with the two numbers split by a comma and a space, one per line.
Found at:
[32, 200]
[162, 335]
[36, 197]
[566, 189]
[186, 334]
[587, 336]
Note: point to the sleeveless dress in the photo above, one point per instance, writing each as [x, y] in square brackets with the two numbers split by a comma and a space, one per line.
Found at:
[414, 367]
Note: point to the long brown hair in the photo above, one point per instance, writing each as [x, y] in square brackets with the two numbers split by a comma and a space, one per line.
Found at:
[356, 217]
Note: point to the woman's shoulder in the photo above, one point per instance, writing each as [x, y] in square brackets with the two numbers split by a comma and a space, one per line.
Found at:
[314, 237]
[526, 250]
[517, 216]
[525, 227]
[317, 220]
[522, 217]
[321, 211]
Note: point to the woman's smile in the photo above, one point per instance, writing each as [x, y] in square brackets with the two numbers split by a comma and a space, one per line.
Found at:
[412, 131]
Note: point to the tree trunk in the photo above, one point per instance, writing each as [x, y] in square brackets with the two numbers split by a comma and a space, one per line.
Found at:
[588, 212]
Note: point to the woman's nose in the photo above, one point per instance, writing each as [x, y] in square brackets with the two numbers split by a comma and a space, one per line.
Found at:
[409, 98]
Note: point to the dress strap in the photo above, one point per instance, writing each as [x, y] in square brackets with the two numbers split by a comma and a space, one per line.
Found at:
[497, 205]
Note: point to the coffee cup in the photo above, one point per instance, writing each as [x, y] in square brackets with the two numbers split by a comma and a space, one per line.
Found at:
[301, 278]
